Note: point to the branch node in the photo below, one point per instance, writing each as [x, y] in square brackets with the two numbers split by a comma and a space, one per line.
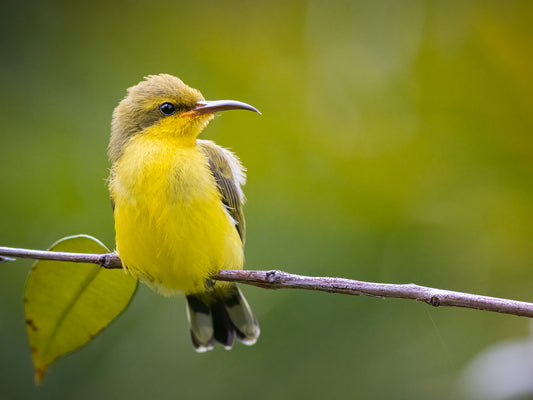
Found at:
[273, 276]
[109, 261]
[434, 301]
[104, 260]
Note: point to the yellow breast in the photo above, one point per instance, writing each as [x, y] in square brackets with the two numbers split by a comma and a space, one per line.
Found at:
[172, 230]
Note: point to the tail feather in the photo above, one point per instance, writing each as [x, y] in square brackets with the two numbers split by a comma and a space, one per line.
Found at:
[220, 318]
[242, 317]
[223, 330]
[200, 317]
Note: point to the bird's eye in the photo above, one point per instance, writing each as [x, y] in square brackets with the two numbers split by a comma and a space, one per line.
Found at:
[167, 108]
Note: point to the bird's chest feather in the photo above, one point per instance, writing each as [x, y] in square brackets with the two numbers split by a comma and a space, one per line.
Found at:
[171, 226]
[167, 197]
[155, 176]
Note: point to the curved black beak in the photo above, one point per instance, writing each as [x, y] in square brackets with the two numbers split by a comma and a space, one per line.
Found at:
[205, 107]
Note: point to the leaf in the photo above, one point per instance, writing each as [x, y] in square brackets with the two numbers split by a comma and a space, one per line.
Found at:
[67, 304]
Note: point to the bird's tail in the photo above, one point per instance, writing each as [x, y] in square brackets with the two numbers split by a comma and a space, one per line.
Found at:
[220, 317]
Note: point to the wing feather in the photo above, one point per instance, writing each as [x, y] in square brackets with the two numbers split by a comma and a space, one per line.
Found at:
[229, 175]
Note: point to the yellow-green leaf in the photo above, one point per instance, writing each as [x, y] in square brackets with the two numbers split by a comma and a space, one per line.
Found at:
[67, 304]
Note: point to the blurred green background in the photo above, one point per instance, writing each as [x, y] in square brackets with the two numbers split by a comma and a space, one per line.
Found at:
[395, 145]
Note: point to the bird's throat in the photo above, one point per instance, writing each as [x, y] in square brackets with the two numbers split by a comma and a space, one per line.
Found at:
[180, 130]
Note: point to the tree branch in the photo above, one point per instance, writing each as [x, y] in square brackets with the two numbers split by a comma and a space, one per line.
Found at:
[275, 279]
[109, 260]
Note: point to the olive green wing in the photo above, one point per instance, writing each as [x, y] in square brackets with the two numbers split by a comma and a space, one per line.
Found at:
[229, 175]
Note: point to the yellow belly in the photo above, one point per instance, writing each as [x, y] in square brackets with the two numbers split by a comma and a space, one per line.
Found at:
[172, 230]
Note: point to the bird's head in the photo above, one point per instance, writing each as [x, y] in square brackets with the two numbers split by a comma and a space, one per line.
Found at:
[164, 105]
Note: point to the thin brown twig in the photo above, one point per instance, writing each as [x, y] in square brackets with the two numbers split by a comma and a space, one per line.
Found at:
[275, 279]
[108, 260]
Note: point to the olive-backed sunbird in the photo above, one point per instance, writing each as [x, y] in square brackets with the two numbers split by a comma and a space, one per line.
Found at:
[178, 205]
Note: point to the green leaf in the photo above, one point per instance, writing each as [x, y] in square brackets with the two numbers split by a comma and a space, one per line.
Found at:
[67, 304]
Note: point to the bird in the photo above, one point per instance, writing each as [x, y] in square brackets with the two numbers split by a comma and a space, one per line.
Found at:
[178, 205]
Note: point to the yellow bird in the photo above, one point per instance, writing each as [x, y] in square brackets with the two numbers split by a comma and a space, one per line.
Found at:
[178, 202]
